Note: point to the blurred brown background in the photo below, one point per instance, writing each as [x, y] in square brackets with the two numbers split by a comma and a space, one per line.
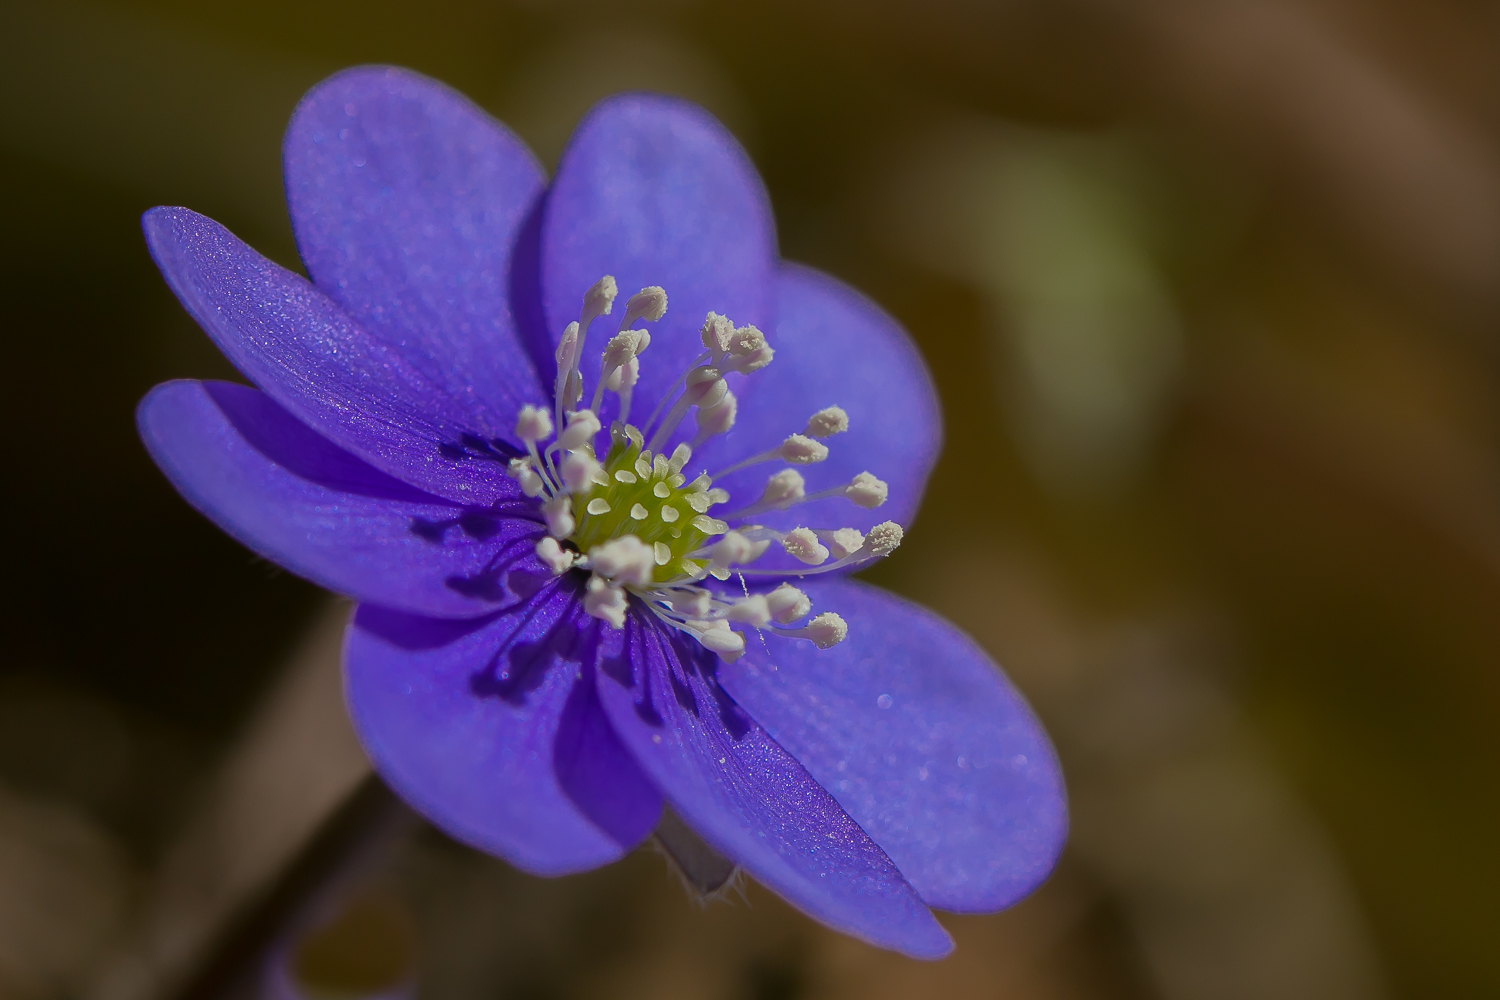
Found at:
[1210, 291]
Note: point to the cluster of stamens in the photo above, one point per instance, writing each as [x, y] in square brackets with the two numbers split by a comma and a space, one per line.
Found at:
[636, 522]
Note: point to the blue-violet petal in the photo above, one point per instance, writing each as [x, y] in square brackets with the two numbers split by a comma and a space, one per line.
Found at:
[406, 199]
[492, 730]
[747, 797]
[920, 737]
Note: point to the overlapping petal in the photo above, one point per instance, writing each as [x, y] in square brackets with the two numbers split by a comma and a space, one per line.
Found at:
[747, 797]
[921, 739]
[406, 200]
[654, 191]
[492, 730]
[313, 359]
[835, 347]
[325, 515]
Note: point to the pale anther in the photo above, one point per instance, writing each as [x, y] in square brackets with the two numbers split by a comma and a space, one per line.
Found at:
[600, 298]
[787, 603]
[883, 539]
[799, 449]
[748, 351]
[598, 505]
[719, 418]
[626, 560]
[533, 424]
[582, 426]
[606, 602]
[826, 630]
[704, 388]
[735, 548]
[752, 610]
[625, 476]
[661, 490]
[784, 487]
[709, 525]
[558, 559]
[843, 542]
[559, 514]
[639, 512]
[521, 470]
[867, 491]
[578, 469]
[717, 636]
[625, 376]
[691, 602]
[680, 456]
[803, 544]
[650, 304]
[669, 514]
[622, 347]
[663, 553]
[827, 422]
[716, 332]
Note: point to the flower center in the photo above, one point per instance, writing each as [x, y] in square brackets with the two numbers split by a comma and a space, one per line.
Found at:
[645, 495]
[636, 522]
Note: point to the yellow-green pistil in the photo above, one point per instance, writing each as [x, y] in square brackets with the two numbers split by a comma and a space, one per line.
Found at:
[641, 494]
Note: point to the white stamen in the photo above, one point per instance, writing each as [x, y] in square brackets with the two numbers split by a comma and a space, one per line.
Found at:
[625, 560]
[639, 512]
[662, 552]
[619, 353]
[704, 388]
[606, 602]
[598, 505]
[650, 304]
[598, 301]
[670, 514]
[826, 630]
[799, 449]
[625, 476]
[578, 470]
[827, 422]
[709, 525]
[803, 544]
[559, 514]
[716, 419]
[691, 602]
[582, 426]
[680, 456]
[784, 487]
[533, 425]
[734, 548]
[717, 330]
[622, 347]
[843, 542]
[521, 470]
[573, 391]
[717, 636]
[787, 604]
[867, 491]
[624, 377]
[558, 559]
[752, 610]
[748, 351]
[567, 344]
[884, 538]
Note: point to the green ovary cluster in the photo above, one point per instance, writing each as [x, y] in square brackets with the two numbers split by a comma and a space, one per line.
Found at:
[637, 493]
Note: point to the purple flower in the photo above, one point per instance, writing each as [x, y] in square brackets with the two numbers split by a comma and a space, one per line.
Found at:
[559, 629]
